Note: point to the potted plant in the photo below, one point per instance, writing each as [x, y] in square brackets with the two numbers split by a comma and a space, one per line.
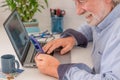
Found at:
[26, 9]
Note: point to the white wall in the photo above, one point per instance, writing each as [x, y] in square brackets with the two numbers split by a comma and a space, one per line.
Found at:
[3, 14]
[71, 19]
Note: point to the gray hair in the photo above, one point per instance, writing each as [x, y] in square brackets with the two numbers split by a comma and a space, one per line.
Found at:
[116, 2]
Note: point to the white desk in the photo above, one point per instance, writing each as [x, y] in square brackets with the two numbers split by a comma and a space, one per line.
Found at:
[78, 55]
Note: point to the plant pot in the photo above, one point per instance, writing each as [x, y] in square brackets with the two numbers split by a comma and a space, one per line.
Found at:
[32, 27]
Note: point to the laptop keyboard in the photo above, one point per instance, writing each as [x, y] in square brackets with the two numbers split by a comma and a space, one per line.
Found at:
[42, 44]
[32, 59]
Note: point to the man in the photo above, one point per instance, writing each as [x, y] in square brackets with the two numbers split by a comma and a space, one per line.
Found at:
[103, 28]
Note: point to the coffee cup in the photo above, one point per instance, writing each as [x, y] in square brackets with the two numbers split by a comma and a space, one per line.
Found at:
[9, 64]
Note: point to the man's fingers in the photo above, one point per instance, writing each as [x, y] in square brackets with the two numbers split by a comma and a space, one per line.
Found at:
[40, 60]
[47, 46]
[53, 47]
[65, 50]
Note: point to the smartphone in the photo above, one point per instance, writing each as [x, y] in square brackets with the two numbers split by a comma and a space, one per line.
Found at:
[36, 44]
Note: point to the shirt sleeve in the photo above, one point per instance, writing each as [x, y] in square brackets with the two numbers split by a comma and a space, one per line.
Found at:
[109, 67]
[74, 72]
[86, 30]
[82, 34]
[79, 37]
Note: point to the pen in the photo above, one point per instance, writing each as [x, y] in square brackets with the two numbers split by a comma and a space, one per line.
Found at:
[57, 12]
[36, 44]
[62, 13]
[52, 12]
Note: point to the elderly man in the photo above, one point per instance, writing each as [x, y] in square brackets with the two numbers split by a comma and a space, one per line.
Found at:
[103, 28]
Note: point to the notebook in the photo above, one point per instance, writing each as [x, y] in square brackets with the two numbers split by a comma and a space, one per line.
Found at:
[21, 42]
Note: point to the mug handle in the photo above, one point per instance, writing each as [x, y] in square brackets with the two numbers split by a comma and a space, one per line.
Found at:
[17, 63]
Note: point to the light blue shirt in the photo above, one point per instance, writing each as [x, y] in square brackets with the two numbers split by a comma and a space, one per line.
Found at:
[106, 49]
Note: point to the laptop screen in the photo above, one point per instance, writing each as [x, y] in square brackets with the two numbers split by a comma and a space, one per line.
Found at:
[17, 34]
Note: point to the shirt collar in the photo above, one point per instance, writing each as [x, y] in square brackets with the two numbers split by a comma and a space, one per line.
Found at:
[115, 13]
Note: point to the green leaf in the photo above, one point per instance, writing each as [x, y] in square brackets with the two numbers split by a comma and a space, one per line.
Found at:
[26, 8]
[46, 1]
[3, 5]
[39, 10]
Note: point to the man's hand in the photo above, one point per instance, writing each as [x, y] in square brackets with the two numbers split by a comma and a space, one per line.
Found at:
[66, 44]
[47, 64]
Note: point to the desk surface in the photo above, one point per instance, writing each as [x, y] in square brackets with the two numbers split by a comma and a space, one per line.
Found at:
[32, 73]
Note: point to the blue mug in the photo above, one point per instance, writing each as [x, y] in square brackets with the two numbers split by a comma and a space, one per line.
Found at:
[8, 63]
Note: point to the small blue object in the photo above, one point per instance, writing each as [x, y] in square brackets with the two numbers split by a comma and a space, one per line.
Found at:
[32, 29]
[19, 70]
[36, 44]
[42, 35]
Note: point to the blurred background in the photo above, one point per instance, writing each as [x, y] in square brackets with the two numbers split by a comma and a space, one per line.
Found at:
[71, 19]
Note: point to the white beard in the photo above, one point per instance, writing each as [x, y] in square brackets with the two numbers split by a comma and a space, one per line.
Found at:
[92, 19]
[95, 21]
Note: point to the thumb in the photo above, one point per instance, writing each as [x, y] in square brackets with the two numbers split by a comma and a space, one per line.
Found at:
[38, 57]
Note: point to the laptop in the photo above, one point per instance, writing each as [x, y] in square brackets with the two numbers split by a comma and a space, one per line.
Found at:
[21, 42]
